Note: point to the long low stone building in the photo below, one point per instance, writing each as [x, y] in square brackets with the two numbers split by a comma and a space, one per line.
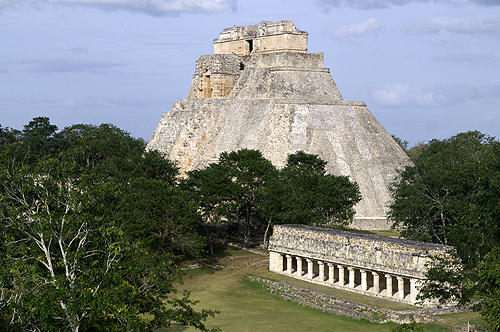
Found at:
[374, 265]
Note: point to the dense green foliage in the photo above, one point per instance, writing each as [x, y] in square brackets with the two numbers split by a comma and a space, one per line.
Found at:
[229, 189]
[412, 152]
[92, 228]
[303, 193]
[244, 186]
[489, 283]
[451, 196]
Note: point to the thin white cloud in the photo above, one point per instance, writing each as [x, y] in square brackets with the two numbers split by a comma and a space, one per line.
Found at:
[69, 103]
[444, 38]
[79, 50]
[67, 64]
[372, 4]
[475, 25]
[137, 102]
[397, 95]
[470, 58]
[150, 7]
[368, 27]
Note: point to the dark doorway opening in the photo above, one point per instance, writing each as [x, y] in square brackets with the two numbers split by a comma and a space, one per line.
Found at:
[249, 46]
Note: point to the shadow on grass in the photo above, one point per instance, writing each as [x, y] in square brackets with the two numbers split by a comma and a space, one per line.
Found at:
[173, 328]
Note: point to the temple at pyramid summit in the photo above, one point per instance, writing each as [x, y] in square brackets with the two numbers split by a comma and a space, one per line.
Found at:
[262, 90]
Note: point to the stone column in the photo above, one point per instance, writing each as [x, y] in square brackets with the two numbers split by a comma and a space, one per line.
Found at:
[364, 283]
[275, 261]
[413, 290]
[351, 277]
[401, 288]
[341, 275]
[299, 266]
[388, 283]
[376, 282]
[289, 264]
[331, 273]
[309, 268]
[321, 271]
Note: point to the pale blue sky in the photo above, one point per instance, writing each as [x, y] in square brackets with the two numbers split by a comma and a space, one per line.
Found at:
[426, 69]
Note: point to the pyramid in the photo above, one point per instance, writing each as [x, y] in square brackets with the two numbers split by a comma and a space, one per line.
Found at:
[262, 90]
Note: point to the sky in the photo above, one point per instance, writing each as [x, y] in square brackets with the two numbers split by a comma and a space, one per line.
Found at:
[426, 69]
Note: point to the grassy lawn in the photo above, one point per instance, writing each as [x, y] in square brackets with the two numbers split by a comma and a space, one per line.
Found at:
[246, 306]
[461, 319]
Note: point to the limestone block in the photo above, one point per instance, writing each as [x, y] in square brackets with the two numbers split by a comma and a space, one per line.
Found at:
[392, 255]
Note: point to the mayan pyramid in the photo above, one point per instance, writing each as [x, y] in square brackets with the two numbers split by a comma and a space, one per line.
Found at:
[262, 90]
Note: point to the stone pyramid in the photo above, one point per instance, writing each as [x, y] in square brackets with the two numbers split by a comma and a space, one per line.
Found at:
[262, 90]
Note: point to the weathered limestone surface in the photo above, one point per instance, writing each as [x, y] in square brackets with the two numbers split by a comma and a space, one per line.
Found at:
[261, 38]
[370, 252]
[372, 265]
[280, 100]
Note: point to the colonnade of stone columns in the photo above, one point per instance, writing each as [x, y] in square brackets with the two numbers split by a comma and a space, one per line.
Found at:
[369, 281]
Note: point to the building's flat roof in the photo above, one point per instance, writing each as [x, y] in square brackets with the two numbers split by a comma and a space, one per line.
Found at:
[372, 237]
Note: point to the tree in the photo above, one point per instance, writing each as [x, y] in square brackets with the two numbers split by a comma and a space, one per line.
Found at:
[69, 258]
[248, 170]
[303, 193]
[161, 218]
[8, 135]
[215, 194]
[415, 150]
[39, 136]
[489, 286]
[403, 144]
[152, 209]
[412, 152]
[246, 187]
[450, 196]
[315, 197]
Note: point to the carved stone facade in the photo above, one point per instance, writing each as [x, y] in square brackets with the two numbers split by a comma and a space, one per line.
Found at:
[264, 37]
[270, 94]
[372, 265]
[216, 75]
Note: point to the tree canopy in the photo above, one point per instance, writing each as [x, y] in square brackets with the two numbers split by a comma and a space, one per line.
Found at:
[303, 193]
[244, 186]
[450, 196]
[92, 228]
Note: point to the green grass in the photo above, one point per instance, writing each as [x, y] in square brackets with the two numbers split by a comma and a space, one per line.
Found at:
[461, 319]
[248, 306]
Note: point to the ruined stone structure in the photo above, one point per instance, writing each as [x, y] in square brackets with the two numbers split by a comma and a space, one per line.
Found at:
[262, 90]
[372, 265]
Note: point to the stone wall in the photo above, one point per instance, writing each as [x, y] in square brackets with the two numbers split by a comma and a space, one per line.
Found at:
[215, 75]
[385, 254]
[374, 265]
[341, 306]
[264, 37]
[287, 59]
